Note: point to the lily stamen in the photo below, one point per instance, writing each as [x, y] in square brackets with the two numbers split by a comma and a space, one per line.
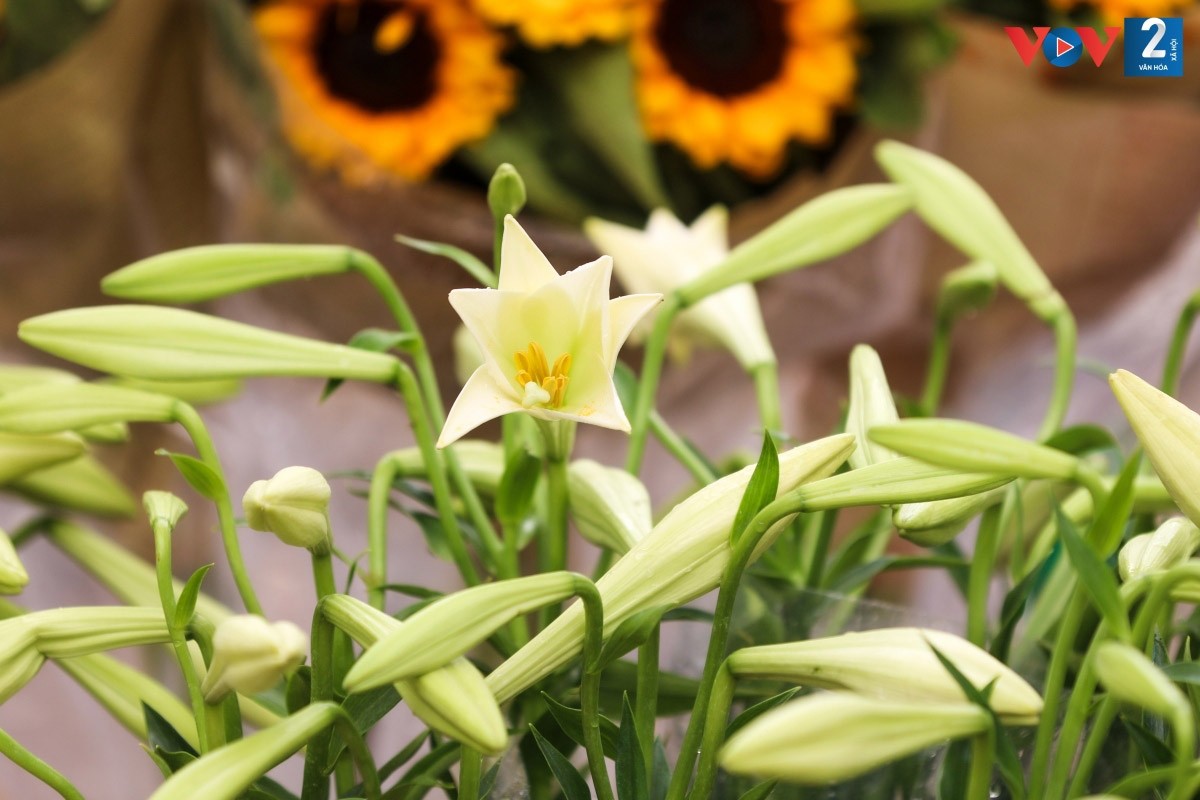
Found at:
[543, 385]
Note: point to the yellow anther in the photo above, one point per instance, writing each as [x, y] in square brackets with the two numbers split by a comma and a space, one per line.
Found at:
[394, 32]
[532, 368]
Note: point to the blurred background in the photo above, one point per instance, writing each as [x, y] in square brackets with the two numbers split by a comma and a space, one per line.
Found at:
[131, 127]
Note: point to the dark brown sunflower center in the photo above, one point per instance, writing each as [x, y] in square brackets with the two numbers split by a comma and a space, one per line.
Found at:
[723, 47]
[377, 55]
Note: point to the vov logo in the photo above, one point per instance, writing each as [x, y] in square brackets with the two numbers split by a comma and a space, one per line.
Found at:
[1062, 47]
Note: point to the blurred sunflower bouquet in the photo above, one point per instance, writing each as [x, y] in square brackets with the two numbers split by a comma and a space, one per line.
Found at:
[611, 107]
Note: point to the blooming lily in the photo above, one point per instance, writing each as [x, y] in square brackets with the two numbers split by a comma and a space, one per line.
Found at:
[669, 254]
[549, 341]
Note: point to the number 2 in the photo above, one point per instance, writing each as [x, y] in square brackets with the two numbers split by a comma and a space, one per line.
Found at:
[1152, 49]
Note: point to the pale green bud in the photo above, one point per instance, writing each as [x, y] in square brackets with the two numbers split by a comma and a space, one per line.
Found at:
[109, 433]
[871, 404]
[836, 736]
[201, 273]
[1172, 543]
[684, 556]
[13, 577]
[164, 507]
[454, 624]
[482, 461]
[20, 659]
[958, 208]
[251, 655]
[1132, 678]
[225, 773]
[901, 480]
[826, 226]
[173, 344]
[935, 522]
[18, 376]
[610, 507]
[1170, 433]
[293, 505]
[70, 632]
[21, 454]
[967, 289]
[52, 408]
[972, 447]
[893, 664]
[194, 393]
[506, 192]
[467, 355]
[453, 700]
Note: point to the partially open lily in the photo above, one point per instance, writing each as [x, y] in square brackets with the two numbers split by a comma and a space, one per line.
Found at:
[549, 341]
[669, 254]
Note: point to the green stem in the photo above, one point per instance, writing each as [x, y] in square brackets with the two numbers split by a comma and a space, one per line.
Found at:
[14, 752]
[166, 593]
[675, 445]
[589, 689]
[377, 515]
[194, 426]
[1179, 340]
[979, 780]
[1055, 677]
[1184, 729]
[323, 580]
[715, 721]
[552, 552]
[407, 386]
[979, 581]
[1064, 372]
[470, 773]
[652, 363]
[646, 698]
[821, 548]
[316, 782]
[718, 640]
[939, 362]
[766, 388]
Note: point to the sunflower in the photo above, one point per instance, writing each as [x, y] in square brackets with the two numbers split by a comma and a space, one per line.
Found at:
[383, 87]
[1114, 11]
[736, 80]
[546, 23]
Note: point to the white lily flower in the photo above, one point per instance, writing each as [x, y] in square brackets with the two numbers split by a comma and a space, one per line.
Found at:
[668, 255]
[549, 341]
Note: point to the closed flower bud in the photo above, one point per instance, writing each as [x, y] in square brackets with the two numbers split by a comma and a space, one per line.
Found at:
[1132, 678]
[975, 448]
[935, 522]
[21, 454]
[453, 625]
[893, 664]
[18, 376]
[871, 404]
[610, 507]
[13, 577]
[1172, 543]
[836, 736]
[173, 344]
[201, 273]
[19, 656]
[1170, 433]
[506, 192]
[194, 393]
[901, 480]
[251, 655]
[50, 408]
[164, 506]
[482, 461]
[293, 505]
[453, 700]
[683, 557]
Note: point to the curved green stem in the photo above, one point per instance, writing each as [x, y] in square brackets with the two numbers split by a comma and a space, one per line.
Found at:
[1056, 675]
[646, 698]
[589, 689]
[552, 550]
[766, 388]
[652, 363]
[1064, 372]
[939, 363]
[11, 749]
[316, 782]
[674, 444]
[1179, 340]
[194, 426]
[377, 513]
[716, 718]
[979, 780]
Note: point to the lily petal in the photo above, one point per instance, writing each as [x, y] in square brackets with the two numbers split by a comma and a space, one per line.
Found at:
[624, 313]
[710, 229]
[482, 399]
[523, 268]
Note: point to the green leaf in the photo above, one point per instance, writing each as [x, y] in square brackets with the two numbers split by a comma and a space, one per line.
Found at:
[185, 607]
[299, 689]
[1096, 578]
[1155, 752]
[1082, 438]
[517, 486]
[1010, 614]
[1184, 672]
[404, 756]
[434, 533]
[632, 781]
[758, 709]
[170, 751]
[489, 781]
[569, 780]
[760, 792]
[660, 776]
[474, 267]
[570, 720]
[364, 710]
[864, 573]
[631, 633]
[763, 486]
[199, 475]
[373, 340]
[1108, 527]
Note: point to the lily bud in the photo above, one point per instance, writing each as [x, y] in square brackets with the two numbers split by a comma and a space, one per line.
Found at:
[454, 624]
[684, 556]
[194, 393]
[901, 480]
[1170, 433]
[967, 289]
[173, 344]
[935, 522]
[13, 577]
[82, 484]
[610, 507]
[21, 454]
[893, 664]
[836, 736]
[164, 506]
[251, 655]
[293, 505]
[1172, 543]
[971, 447]
[482, 461]
[453, 700]
[20, 659]
[871, 404]
[201, 273]
[1132, 678]
[18, 376]
[506, 192]
[50, 408]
